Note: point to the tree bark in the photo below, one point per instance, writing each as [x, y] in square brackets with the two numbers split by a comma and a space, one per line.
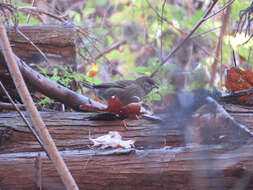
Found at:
[72, 130]
[57, 42]
[166, 168]
[160, 160]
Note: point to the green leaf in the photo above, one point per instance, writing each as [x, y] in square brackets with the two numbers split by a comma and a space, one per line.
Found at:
[145, 70]
[42, 70]
[55, 71]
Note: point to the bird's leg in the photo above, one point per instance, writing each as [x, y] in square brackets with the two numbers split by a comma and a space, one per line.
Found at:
[125, 124]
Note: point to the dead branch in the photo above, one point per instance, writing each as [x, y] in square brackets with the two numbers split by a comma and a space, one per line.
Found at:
[33, 112]
[50, 88]
[9, 106]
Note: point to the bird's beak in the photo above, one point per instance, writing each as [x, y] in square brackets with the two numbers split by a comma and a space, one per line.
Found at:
[155, 86]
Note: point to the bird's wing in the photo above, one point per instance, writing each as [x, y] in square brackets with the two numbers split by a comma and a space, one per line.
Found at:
[117, 84]
[87, 85]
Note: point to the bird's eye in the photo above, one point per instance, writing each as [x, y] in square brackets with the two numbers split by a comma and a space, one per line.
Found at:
[147, 87]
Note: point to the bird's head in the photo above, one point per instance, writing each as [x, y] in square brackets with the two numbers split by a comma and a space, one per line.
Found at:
[147, 83]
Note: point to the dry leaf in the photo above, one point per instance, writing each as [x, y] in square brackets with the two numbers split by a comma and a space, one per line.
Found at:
[238, 79]
[115, 106]
[93, 70]
[112, 140]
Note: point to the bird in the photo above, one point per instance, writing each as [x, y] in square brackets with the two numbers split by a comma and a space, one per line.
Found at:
[128, 91]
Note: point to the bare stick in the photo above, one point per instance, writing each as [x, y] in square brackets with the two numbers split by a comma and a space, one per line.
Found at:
[37, 122]
[22, 116]
[29, 15]
[203, 33]
[161, 39]
[108, 50]
[36, 47]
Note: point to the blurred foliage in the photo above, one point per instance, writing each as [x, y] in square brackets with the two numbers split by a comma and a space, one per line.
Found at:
[148, 37]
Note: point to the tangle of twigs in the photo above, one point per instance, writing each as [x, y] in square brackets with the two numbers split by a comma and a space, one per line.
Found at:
[245, 18]
[4, 7]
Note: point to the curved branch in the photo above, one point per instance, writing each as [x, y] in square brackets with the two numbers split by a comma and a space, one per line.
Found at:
[54, 90]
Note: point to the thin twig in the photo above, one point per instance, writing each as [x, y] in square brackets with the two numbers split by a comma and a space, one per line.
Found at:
[164, 19]
[221, 63]
[22, 115]
[224, 7]
[174, 50]
[108, 50]
[30, 41]
[29, 15]
[36, 10]
[13, 10]
[161, 39]
[90, 40]
[203, 19]
[205, 32]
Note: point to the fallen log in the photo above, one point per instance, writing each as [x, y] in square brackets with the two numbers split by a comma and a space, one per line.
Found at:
[57, 42]
[161, 159]
[195, 167]
[72, 130]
